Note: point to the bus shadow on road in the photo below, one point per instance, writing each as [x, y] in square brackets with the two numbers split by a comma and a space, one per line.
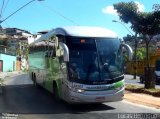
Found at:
[27, 99]
[82, 108]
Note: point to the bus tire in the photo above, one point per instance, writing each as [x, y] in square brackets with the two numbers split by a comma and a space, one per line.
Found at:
[34, 80]
[31, 76]
[55, 91]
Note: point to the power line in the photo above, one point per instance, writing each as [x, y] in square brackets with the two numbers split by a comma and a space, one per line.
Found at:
[18, 10]
[2, 9]
[5, 22]
[5, 6]
[60, 14]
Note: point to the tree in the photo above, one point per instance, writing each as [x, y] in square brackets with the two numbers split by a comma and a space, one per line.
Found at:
[128, 39]
[141, 53]
[146, 24]
[3, 41]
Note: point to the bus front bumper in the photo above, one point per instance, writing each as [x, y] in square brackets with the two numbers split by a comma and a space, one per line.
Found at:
[96, 97]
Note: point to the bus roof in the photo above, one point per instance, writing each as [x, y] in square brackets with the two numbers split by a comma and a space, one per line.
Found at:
[85, 31]
[79, 31]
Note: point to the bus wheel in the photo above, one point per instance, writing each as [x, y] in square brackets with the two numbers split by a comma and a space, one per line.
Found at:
[34, 80]
[55, 91]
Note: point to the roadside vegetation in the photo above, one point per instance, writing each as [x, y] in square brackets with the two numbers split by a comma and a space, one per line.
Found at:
[1, 81]
[144, 25]
[141, 89]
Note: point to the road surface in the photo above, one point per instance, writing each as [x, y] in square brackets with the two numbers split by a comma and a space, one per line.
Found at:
[129, 80]
[28, 102]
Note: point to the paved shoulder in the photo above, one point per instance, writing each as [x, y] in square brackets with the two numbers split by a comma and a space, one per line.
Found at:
[143, 99]
[16, 78]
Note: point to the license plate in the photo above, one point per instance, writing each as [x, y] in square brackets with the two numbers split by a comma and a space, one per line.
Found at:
[102, 98]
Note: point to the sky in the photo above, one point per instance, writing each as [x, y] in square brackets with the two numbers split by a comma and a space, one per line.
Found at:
[48, 14]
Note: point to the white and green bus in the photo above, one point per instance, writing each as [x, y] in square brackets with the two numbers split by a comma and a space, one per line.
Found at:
[79, 64]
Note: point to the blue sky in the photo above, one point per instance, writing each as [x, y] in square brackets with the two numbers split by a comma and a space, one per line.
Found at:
[48, 14]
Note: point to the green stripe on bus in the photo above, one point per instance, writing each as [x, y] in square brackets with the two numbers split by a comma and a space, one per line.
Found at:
[119, 84]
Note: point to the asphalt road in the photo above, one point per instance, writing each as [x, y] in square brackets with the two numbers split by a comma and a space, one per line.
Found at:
[129, 80]
[30, 102]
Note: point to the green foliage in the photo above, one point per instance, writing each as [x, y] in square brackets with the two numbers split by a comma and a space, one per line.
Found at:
[125, 57]
[23, 51]
[126, 11]
[25, 70]
[3, 41]
[141, 53]
[128, 38]
[1, 80]
[146, 23]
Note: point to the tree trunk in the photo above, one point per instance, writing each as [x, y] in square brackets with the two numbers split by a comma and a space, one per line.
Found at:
[135, 57]
[147, 54]
[149, 77]
[149, 71]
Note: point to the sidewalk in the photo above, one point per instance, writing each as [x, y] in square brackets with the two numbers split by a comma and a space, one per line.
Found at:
[142, 99]
[130, 77]
[139, 98]
[13, 78]
[3, 75]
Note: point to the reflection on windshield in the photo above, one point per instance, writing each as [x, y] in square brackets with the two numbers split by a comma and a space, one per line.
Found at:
[95, 60]
[84, 65]
[111, 60]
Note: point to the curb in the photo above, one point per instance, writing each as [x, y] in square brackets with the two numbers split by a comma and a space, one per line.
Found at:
[141, 91]
[9, 74]
[142, 99]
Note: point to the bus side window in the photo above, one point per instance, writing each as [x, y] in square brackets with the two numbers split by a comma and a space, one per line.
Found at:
[46, 54]
[53, 52]
[50, 49]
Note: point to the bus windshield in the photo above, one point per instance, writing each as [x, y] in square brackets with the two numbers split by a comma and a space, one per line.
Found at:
[94, 60]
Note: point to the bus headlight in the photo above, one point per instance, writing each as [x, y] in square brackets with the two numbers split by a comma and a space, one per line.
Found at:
[77, 90]
[80, 90]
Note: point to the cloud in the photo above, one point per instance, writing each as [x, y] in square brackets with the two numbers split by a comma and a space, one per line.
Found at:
[140, 6]
[109, 10]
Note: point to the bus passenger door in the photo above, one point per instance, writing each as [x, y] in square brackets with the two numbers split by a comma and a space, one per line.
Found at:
[63, 77]
[63, 71]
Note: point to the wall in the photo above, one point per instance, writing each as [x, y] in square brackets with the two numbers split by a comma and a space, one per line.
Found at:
[130, 65]
[18, 65]
[9, 62]
[32, 38]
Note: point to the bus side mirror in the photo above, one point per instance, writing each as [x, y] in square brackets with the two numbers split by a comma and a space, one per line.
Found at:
[66, 51]
[128, 49]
